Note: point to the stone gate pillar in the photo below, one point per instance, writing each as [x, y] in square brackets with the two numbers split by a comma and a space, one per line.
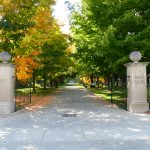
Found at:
[7, 88]
[136, 84]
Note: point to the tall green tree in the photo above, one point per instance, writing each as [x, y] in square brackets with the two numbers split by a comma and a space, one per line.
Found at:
[16, 19]
[107, 31]
[29, 31]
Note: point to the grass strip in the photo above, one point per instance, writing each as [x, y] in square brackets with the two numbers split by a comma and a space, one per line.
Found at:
[117, 96]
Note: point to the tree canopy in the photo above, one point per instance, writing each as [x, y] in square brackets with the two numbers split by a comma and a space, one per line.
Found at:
[31, 34]
[106, 31]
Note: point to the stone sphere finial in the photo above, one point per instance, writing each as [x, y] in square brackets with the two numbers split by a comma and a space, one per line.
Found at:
[5, 57]
[135, 56]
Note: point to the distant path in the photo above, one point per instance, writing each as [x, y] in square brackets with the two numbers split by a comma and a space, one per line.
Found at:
[76, 120]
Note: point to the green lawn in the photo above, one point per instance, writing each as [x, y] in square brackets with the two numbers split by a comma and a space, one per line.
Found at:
[39, 91]
[118, 95]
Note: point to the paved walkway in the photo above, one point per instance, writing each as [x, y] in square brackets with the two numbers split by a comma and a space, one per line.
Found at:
[92, 125]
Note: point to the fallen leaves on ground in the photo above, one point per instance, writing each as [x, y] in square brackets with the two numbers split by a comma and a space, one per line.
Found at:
[36, 102]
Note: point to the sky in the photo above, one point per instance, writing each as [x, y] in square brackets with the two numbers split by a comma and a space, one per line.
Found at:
[61, 13]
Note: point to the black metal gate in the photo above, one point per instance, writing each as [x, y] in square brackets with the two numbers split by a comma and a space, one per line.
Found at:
[148, 89]
[119, 93]
[23, 93]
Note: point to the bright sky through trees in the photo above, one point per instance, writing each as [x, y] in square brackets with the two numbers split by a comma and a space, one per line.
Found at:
[61, 13]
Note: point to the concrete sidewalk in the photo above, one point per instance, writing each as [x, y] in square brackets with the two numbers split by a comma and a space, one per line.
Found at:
[76, 120]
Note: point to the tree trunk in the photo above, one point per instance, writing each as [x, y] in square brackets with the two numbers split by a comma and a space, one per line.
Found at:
[44, 82]
[108, 82]
[56, 83]
[97, 82]
[51, 82]
[117, 84]
[33, 87]
[91, 78]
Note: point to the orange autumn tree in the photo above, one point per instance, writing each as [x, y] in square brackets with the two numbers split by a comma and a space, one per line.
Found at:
[25, 27]
[46, 40]
[26, 59]
[25, 66]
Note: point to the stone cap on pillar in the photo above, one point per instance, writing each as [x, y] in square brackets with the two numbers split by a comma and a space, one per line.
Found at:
[6, 65]
[5, 56]
[136, 56]
[132, 64]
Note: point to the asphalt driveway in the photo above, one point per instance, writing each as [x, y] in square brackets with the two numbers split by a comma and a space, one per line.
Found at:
[76, 120]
